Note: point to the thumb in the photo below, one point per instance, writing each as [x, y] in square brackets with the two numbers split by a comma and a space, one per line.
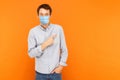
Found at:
[53, 71]
[54, 36]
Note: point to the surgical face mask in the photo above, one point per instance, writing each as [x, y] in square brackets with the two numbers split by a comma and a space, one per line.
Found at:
[44, 19]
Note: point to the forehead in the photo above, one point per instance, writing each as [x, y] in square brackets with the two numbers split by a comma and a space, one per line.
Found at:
[42, 10]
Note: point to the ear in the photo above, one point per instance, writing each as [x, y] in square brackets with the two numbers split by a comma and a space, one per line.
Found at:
[50, 16]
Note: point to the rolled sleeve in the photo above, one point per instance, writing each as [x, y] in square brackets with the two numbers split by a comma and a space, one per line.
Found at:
[34, 50]
[64, 50]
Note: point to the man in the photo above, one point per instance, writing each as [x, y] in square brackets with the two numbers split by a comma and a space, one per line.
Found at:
[46, 43]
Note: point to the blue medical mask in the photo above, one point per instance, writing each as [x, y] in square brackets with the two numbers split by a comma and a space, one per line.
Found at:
[44, 19]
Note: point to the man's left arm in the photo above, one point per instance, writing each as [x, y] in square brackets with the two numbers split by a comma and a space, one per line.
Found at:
[63, 48]
[63, 52]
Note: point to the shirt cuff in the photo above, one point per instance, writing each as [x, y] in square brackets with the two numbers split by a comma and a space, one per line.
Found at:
[39, 49]
[63, 64]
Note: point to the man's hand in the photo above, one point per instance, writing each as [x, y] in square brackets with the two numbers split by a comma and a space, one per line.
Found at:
[48, 42]
[58, 69]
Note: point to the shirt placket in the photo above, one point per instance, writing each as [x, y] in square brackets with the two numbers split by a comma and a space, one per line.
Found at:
[46, 37]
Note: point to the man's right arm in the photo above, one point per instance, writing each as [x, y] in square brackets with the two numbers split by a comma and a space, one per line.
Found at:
[33, 49]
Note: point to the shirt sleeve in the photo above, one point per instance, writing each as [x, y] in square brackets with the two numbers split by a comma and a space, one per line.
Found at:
[63, 47]
[34, 50]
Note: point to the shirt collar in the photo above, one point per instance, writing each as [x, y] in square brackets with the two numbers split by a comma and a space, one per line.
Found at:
[41, 27]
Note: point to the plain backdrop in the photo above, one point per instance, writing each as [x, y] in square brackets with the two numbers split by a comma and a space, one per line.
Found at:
[91, 27]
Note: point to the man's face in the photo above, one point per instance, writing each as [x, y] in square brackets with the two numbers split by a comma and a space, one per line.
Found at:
[44, 12]
[44, 16]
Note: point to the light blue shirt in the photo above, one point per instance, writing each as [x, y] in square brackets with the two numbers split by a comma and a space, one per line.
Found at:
[56, 54]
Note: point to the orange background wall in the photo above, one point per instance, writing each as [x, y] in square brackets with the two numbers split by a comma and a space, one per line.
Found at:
[92, 30]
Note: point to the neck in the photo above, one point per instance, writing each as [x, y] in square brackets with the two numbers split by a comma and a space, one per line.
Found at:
[45, 25]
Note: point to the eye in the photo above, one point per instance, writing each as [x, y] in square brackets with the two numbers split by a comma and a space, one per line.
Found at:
[46, 14]
[41, 14]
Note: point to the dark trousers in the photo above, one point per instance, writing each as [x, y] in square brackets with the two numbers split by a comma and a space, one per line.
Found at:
[53, 76]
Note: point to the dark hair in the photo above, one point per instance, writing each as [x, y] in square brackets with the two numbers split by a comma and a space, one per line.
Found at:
[45, 6]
